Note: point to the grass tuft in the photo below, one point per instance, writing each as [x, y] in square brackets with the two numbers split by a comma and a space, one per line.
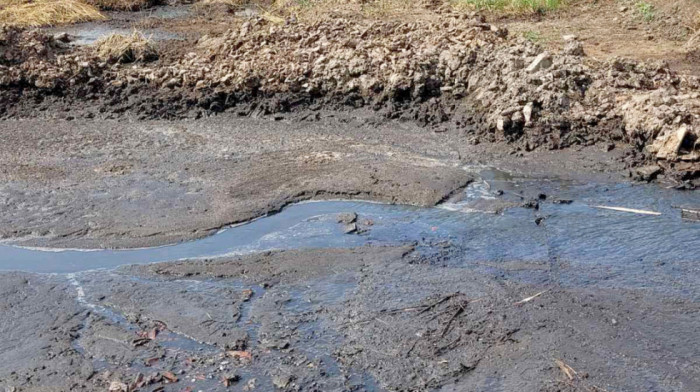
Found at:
[647, 11]
[123, 5]
[532, 36]
[46, 13]
[118, 48]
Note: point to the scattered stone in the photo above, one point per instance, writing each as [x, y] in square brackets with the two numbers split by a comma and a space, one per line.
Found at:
[671, 144]
[347, 217]
[574, 48]
[562, 201]
[117, 386]
[230, 379]
[350, 228]
[647, 173]
[282, 381]
[543, 61]
[527, 113]
[62, 37]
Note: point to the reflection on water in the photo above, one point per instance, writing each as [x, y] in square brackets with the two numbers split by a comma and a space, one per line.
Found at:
[577, 244]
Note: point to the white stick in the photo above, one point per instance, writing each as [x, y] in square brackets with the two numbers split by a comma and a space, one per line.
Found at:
[528, 299]
[623, 209]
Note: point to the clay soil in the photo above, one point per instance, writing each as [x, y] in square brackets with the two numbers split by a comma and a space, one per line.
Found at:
[245, 112]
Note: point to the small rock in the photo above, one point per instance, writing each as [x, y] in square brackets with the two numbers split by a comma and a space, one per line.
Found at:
[282, 381]
[350, 228]
[569, 38]
[62, 37]
[250, 385]
[229, 379]
[534, 204]
[543, 61]
[503, 123]
[174, 82]
[347, 217]
[563, 201]
[574, 48]
[117, 386]
[527, 113]
[647, 173]
[672, 143]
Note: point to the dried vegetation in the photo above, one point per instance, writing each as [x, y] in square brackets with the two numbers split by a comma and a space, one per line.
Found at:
[123, 5]
[118, 48]
[47, 13]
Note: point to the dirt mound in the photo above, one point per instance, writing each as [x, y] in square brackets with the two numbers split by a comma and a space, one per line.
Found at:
[455, 72]
[18, 46]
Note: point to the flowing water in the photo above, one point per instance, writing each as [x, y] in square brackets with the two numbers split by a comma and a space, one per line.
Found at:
[556, 227]
[600, 246]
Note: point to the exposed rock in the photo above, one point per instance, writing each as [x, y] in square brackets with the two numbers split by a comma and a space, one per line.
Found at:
[542, 61]
[670, 144]
[347, 217]
[574, 48]
[647, 173]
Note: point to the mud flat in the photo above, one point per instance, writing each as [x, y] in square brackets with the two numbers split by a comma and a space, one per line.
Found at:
[105, 184]
[507, 284]
[474, 247]
[372, 318]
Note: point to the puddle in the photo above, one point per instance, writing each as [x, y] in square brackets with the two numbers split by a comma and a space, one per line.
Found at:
[579, 244]
[89, 33]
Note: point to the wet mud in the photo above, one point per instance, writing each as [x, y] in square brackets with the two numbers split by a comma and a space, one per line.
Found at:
[515, 282]
[176, 225]
[364, 319]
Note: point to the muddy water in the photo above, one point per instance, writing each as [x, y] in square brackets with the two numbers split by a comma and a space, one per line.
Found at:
[90, 32]
[483, 227]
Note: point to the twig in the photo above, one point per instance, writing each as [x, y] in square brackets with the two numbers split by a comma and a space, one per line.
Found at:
[528, 299]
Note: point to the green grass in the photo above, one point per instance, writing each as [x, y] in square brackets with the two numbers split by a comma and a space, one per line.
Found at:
[646, 10]
[532, 36]
[536, 6]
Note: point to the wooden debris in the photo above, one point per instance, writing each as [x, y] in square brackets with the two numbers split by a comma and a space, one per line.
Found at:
[528, 299]
[568, 371]
[631, 210]
[170, 377]
[690, 214]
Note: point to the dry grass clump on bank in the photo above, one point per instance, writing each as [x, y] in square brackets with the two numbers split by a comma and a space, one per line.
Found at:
[46, 13]
[512, 6]
[124, 5]
[118, 48]
[316, 10]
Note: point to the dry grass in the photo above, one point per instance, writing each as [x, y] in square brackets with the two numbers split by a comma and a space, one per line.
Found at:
[118, 48]
[511, 6]
[123, 5]
[46, 12]
[313, 10]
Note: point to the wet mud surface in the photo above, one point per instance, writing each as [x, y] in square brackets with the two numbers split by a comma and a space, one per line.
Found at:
[365, 319]
[105, 184]
[181, 225]
[514, 282]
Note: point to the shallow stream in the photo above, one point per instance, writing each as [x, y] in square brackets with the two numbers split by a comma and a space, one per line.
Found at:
[484, 226]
